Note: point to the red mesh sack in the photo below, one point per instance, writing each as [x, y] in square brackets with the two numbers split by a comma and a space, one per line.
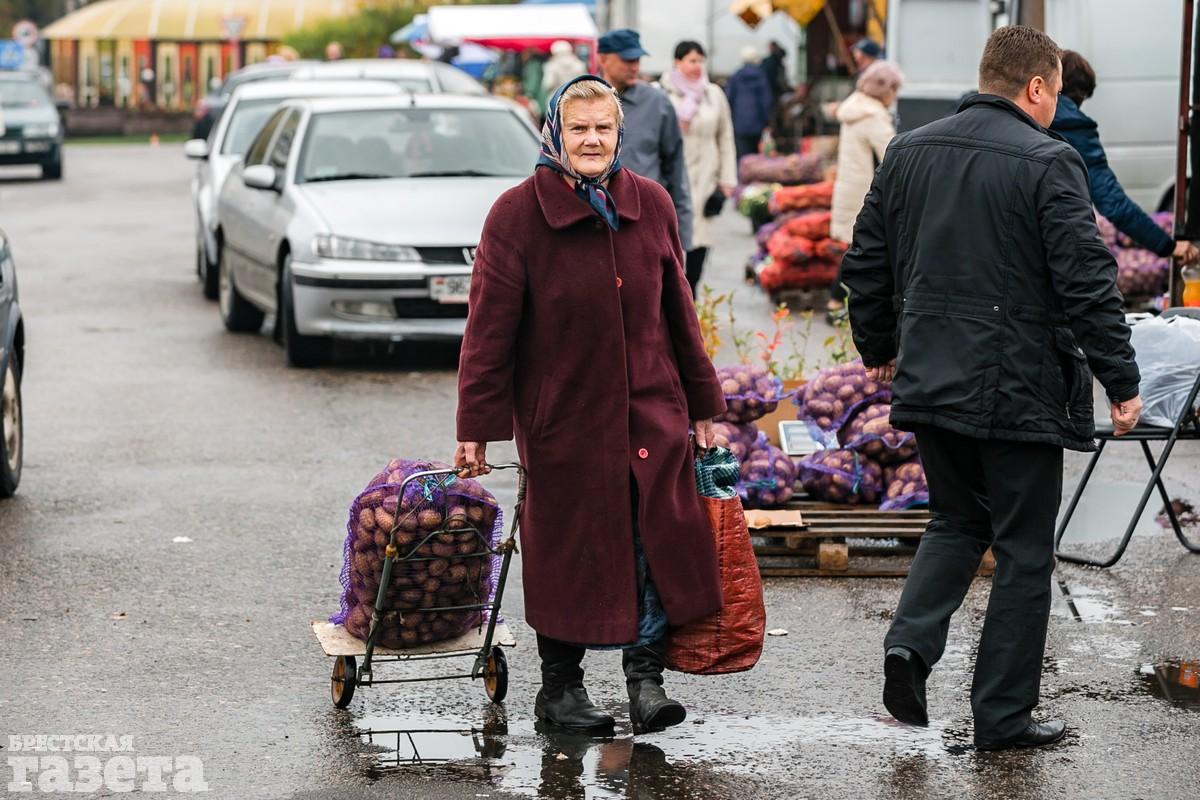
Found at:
[813, 274]
[812, 225]
[795, 198]
[730, 640]
[783, 247]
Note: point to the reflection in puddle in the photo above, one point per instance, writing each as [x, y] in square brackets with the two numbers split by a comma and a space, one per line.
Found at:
[1104, 511]
[1177, 682]
[694, 760]
[1084, 604]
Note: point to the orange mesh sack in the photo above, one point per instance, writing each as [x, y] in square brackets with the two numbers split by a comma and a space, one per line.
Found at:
[731, 640]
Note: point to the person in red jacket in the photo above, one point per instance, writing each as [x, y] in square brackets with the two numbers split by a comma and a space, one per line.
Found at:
[583, 343]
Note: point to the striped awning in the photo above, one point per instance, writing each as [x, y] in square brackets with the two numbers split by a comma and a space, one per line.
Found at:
[194, 20]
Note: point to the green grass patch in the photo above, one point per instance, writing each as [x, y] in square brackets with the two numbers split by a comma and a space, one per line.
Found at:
[163, 138]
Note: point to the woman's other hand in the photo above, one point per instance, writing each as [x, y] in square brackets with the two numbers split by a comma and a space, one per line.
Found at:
[471, 459]
[728, 190]
[703, 429]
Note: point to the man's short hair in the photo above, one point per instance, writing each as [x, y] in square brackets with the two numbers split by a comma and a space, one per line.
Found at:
[1079, 79]
[1013, 56]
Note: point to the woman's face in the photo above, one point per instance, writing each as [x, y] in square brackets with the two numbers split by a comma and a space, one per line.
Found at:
[589, 134]
[691, 65]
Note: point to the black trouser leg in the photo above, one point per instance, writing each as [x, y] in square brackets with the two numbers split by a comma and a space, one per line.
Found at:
[1024, 484]
[745, 144]
[955, 540]
[695, 265]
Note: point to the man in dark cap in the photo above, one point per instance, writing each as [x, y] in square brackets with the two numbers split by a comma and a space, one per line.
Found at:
[653, 146]
[865, 53]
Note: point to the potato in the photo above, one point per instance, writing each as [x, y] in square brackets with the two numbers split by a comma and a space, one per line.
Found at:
[439, 567]
[429, 519]
[384, 520]
[456, 574]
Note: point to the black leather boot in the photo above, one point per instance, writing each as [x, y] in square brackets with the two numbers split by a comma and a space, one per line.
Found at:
[562, 700]
[649, 707]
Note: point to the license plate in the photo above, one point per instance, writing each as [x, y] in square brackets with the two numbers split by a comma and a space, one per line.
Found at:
[8, 148]
[450, 288]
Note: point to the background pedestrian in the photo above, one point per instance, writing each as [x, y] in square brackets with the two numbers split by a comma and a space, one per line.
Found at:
[708, 146]
[866, 129]
[750, 100]
[1079, 83]
[653, 143]
[561, 67]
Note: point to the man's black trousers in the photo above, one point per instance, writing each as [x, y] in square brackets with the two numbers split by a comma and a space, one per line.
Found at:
[986, 493]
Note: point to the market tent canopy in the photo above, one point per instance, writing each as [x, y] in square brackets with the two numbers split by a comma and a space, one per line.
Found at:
[194, 20]
[512, 27]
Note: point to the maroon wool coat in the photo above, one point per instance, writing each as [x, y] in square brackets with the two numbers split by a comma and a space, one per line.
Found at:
[583, 342]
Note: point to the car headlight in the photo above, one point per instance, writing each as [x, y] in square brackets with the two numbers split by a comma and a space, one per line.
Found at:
[47, 130]
[326, 246]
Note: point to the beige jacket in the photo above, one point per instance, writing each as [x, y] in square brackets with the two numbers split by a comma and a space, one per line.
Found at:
[866, 130]
[709, 154]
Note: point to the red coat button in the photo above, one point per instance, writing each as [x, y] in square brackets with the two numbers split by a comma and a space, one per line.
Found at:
[643, 453]
[618, 281]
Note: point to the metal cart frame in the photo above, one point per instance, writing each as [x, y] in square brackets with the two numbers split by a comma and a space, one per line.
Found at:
[486, 643]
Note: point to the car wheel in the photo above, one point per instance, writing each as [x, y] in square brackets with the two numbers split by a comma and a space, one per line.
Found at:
[237, 313]
[52, 171]
[206, 272]
[11, 436]
[302, 351]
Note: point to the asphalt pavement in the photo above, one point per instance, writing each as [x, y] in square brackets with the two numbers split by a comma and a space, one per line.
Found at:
[181, 519]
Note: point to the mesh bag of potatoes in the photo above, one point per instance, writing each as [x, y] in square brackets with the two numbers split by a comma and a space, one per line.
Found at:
[446, 531]
[905, 486]
[870, 432]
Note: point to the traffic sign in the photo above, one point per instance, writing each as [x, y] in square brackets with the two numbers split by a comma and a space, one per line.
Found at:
[25, 32]
[12, 54]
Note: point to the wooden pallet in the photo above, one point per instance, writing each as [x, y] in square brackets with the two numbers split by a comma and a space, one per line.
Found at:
[844, 541]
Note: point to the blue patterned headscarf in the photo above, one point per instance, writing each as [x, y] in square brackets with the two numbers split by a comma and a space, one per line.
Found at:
[591, 190]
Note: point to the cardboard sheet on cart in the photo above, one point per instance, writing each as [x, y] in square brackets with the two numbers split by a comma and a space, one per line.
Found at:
[337, 641]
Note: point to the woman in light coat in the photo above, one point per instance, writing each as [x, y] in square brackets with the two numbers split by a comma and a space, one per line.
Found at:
[867, 127]
[708, 143]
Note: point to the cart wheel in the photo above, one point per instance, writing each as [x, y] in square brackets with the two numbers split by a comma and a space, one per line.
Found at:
[495, 680]
[341, 685]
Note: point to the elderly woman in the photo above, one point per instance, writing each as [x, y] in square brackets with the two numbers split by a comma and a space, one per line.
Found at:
[866, 129]
[582, 341]
[708, 147]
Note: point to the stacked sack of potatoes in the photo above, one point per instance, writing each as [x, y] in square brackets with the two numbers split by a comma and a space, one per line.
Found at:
[1140, 273]
[864, 459]
[801, 254]
[768, 475]
[445, 531]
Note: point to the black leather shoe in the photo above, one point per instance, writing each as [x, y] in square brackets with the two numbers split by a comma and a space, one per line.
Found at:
[570, 707]
[1036, 734]
[650, 709]
[904, 686]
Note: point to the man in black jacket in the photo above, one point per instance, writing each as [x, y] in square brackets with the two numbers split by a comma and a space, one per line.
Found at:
[976, 276]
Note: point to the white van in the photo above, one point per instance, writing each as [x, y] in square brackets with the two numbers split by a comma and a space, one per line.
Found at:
[1135, 52]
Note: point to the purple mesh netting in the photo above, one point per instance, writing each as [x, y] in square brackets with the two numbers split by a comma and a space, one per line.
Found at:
[841, 476]
[443, 526]
[768, 476]
[834, 395]
[750, 393]
[870, 432]
[906, 487]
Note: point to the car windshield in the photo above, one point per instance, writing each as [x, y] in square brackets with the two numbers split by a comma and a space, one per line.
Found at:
[22, 94]
[247, 120]
[416, 143]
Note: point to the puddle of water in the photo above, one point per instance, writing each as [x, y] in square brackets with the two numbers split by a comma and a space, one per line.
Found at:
[1177, 682]
[1085, 604]
[688, 761]
[1104, 511]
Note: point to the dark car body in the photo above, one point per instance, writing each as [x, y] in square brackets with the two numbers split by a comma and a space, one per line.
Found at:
[12, 359]
[31, 130]
[209, 109]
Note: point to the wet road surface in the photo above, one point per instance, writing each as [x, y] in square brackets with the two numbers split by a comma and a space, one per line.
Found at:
[181, 521]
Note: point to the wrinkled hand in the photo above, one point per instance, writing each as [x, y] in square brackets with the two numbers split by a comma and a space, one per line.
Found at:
[470, 459]
[1125, 415]
[882, 374]
[1186, 253]
[703, 428]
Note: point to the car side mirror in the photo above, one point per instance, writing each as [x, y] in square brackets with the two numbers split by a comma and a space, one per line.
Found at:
[196, 148]
[261, 176]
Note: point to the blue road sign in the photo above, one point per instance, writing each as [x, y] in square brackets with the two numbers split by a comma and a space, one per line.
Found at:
[12, 54]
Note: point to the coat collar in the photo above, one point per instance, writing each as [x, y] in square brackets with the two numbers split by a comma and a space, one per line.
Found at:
[563, 208]
[1003, 103]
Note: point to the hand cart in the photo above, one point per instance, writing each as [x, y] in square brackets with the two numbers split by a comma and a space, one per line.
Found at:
[485, 643]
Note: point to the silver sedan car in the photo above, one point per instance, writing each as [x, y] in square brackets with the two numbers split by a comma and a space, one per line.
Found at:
[247, 110]
[358, 218]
